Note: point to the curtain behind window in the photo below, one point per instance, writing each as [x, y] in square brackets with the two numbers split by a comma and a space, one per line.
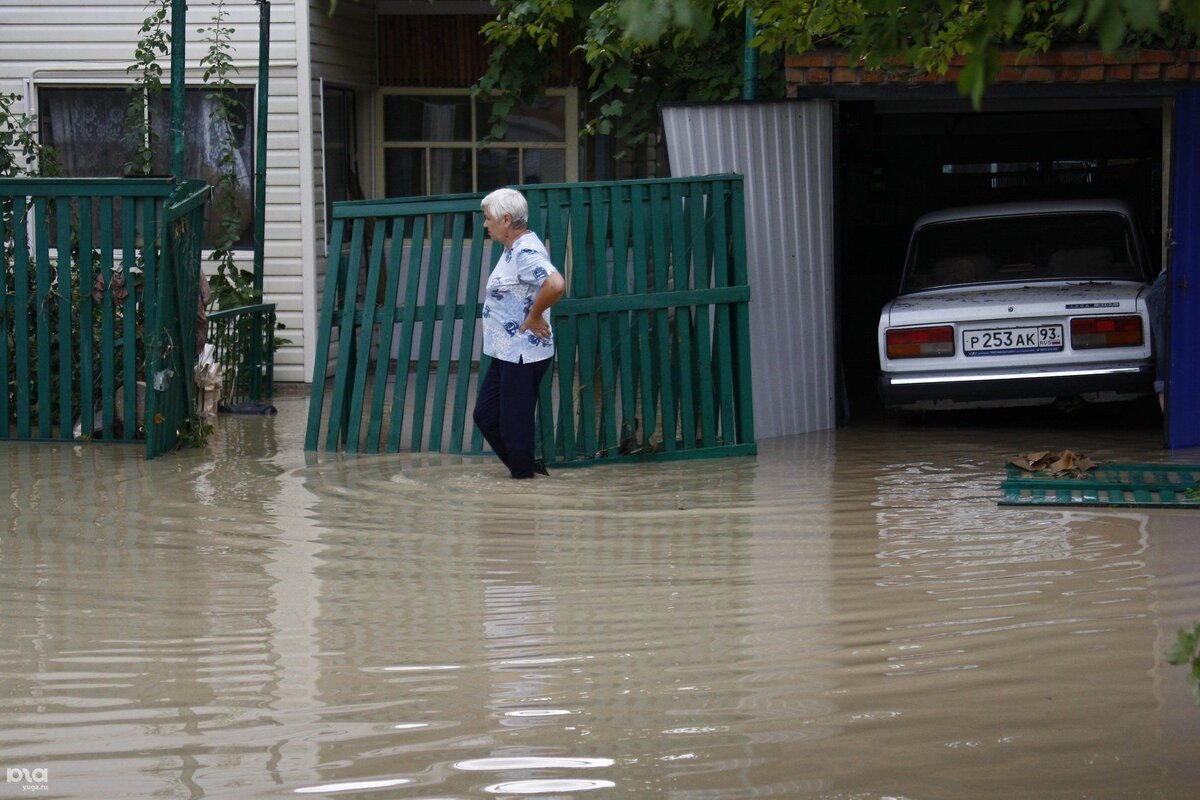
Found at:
[86, 126]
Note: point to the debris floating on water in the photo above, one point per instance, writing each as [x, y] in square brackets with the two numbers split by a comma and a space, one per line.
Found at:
[1060, 464]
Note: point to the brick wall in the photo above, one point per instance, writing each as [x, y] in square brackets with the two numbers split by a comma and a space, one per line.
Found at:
[1067, 66]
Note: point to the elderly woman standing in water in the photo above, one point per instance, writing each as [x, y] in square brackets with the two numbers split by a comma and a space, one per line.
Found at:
[516, 332]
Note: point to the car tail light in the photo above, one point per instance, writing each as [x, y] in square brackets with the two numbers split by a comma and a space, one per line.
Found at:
[1092, 332]
[920, 342]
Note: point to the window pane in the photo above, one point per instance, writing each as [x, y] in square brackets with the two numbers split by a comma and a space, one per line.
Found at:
[451, 171]
[1020, 249]
[544, 120]
[497, 167]
[404, 172]
[86, 127]
[338, 135]
[544, 166]
[426, 119]
[203, 136]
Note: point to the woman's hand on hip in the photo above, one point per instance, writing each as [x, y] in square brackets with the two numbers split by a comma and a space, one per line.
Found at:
[537, 326]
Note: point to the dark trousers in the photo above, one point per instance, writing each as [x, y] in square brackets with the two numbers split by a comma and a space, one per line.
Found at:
[504, 411]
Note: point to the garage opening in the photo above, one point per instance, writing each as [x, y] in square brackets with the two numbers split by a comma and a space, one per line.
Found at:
[900, 159]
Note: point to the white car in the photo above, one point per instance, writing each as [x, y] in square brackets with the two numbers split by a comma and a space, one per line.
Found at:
[1019, 304]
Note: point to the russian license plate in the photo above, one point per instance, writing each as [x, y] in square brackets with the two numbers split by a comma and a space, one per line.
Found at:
[1006, 341]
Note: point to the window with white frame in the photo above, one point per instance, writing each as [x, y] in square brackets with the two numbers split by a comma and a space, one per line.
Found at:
[431, 143]
[86, 127]
[339, 155]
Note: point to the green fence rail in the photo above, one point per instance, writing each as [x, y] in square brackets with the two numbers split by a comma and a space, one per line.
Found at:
[88, 266]
[244, 343]
[1122, 485]
[653, 351]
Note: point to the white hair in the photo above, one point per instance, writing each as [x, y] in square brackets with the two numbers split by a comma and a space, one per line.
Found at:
[507, 201]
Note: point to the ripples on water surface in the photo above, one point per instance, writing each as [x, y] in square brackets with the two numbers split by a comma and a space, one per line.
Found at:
[847, 615]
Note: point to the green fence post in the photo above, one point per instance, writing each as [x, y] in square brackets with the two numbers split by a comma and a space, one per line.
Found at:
[66, 359]
[449, 313]
[745, 405]
[602, 286]
[683, 357]
[699, 226]
[428, 314]
[21, 322]
[723, 358]
[416, 257]
[87, 321]
[622, 341]
[325, 333]
[129, 370]
[663, 385]
[365, 336]
[387, 323]
[466, 342]
[642, 266]
[107, 322]
[45, 370]
[582, 286]
[7, 333]
[346, 322]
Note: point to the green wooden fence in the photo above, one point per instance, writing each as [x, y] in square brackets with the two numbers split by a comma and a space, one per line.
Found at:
[244, 341]
[95, 314]
[653, 351]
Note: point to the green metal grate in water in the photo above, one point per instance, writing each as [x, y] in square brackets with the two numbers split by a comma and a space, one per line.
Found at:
[1127, 485]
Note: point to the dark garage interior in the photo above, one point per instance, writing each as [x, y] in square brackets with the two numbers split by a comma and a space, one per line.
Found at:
[900, 159]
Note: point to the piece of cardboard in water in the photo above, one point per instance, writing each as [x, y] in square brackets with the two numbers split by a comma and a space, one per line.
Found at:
[1060, 463]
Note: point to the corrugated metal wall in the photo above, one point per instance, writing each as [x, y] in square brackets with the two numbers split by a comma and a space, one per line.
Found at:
[785, 152]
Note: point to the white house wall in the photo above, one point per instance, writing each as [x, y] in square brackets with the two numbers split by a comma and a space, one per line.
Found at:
[63, 43]
[785, 152]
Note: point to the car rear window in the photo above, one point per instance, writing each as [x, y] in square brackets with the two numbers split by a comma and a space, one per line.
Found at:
[1074, 246]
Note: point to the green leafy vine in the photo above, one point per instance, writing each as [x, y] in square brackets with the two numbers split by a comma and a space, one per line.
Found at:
[154, 41]
[231, 286]
[695, 56]
[1186, 653]
[21, 151]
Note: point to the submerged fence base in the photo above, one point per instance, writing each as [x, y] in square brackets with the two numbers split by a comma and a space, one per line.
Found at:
[653, 356]
[243, 341]
[97, 312]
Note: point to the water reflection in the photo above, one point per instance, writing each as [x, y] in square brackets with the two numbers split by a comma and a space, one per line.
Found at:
[847, 614]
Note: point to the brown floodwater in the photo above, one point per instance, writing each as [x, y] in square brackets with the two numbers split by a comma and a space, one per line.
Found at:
[848, 614]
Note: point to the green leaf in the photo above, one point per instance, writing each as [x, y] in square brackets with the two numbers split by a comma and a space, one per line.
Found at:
[1143, 14]
[1185, 647]
[1016, 11]
[1112, 29]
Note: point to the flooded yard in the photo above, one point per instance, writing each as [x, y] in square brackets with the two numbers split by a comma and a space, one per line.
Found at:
[847, 615]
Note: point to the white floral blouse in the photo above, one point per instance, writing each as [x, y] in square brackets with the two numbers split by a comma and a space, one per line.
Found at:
[514, 282]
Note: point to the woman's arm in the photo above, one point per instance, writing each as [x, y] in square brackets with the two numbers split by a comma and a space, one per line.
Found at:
[550, 293]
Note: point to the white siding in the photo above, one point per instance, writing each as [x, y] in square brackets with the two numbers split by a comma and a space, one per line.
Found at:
[785, 151]
[60, 42]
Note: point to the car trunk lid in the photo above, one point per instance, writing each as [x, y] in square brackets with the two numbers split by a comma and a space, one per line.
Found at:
[1008, 301]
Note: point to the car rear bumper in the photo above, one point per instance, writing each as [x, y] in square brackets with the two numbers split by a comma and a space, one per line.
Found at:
[1014, 386]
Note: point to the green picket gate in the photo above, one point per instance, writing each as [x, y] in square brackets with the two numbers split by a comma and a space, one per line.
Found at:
[98, 308]
[653, 350]
[243, 339]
